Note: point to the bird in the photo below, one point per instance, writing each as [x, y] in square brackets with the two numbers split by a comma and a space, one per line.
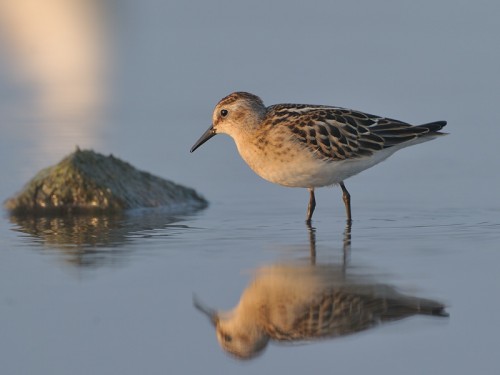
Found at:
[311, 146]
[290, 302]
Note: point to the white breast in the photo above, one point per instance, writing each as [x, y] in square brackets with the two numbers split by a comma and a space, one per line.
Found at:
[298, 168]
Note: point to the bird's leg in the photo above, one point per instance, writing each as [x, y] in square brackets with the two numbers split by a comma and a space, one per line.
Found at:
[347, 201]
[311, 206]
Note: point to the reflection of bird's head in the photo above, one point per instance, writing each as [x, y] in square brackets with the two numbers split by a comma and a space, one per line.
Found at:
[243, 339]
[238, 334]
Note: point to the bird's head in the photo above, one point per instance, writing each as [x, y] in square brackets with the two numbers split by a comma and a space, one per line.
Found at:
[236, 114]
[238, 335]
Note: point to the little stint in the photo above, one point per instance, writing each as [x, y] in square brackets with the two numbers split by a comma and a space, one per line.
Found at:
[310, 146]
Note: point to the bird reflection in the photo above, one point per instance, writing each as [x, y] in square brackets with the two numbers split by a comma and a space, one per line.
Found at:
[289, 302]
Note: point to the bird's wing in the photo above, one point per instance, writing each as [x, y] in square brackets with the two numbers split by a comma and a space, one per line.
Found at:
[334, 133]
[350, 309]
[333, 314]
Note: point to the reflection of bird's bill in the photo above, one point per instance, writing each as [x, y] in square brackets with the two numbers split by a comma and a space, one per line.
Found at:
[209, 312]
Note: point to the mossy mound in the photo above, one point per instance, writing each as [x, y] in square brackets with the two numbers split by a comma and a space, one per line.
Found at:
[89, 182]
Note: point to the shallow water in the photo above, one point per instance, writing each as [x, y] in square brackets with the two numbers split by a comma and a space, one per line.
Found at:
[114, 294]
[117, 296]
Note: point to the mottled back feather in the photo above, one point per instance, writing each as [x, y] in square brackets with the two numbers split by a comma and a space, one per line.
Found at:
[337, 133]
[338, 313]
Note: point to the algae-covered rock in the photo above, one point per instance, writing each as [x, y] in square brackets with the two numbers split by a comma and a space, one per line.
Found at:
[86, 181]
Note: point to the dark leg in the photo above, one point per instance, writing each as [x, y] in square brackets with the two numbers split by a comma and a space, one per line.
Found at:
[347, 201]
[311, 207]
[312, 242]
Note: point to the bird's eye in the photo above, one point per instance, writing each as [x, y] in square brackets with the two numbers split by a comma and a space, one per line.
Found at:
[227, 338]
[223, 112]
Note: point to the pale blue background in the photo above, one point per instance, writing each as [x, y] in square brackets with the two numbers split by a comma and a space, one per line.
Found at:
[427, 220]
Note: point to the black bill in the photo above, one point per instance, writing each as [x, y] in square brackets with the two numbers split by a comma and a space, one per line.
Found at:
[210, 313]
[205, 137]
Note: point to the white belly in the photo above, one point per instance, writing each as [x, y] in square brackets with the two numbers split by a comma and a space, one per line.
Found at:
[301, 169]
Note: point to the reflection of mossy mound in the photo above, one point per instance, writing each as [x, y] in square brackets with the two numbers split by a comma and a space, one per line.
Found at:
[86, 181]
[93, 240]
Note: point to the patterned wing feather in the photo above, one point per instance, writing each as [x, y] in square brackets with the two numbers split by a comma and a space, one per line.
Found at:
[337, 133]
[340, 312]
[334, 314]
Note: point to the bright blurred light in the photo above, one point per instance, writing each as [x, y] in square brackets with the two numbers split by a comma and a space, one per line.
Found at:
[58, 49]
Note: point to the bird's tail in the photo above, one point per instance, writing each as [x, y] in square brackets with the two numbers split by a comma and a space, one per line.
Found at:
[401, 307]
[432, 127]
[403, 135]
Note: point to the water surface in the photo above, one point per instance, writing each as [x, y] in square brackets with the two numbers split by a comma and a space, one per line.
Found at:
[114, 294]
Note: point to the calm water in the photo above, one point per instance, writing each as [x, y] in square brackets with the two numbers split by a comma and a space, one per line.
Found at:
[107, 295]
